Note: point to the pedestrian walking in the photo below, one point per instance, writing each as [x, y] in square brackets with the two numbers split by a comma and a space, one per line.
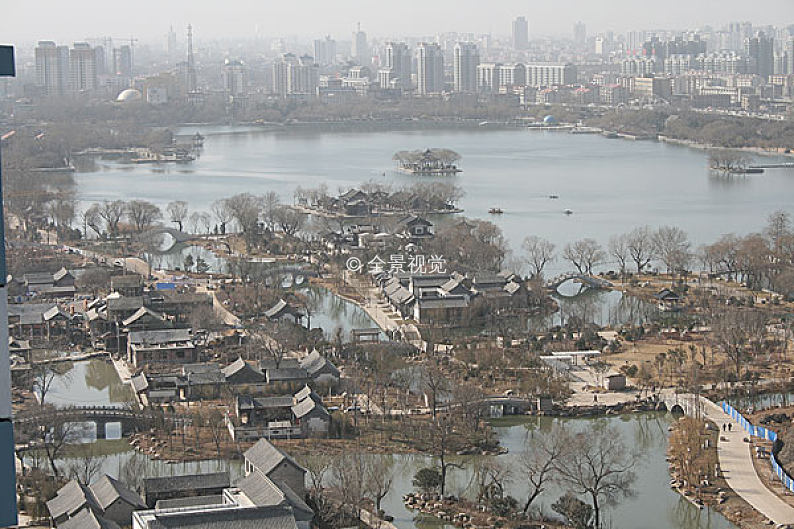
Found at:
[730, 427]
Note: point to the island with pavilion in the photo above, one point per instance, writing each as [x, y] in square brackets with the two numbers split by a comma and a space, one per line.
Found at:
[429, 162]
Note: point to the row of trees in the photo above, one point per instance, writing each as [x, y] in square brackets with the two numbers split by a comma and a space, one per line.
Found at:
[639, 247]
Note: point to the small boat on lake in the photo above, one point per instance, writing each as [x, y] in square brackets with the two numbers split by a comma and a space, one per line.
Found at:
[568, 212]
[495, 211]
[554, 196]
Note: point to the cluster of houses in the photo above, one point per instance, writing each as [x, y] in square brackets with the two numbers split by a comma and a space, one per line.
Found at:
[272, 400]
[148, 326]
[448, 299]
[358, 203]
[408, 230]
[270, 495]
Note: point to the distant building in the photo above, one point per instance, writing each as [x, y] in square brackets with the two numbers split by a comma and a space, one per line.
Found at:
[653, 87]
[543, 75]
[359, 49]
[166, 346]
[466, 58]
[325, 51]
[580, 34]
[430, 68]
[397, 71]
[295, 76]
[106, 503]
[122, 61]
[52, 68]
[520, 33]
[235, 78]
[82, 68]
[761, 49]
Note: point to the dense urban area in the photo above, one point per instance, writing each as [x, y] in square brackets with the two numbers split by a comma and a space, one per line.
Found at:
[389, 354]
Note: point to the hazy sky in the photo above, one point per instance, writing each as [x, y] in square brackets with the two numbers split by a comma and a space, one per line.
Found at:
[68, 20]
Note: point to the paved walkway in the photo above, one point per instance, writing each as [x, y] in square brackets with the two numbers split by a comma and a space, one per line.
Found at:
[736, 462]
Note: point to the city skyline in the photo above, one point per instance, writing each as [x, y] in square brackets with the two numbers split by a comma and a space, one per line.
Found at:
[23, 24]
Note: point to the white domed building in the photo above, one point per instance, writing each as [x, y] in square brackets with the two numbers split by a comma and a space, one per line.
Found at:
[130, 94]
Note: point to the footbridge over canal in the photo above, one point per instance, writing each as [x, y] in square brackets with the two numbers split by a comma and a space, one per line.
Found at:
[131, 420]
[587, 280]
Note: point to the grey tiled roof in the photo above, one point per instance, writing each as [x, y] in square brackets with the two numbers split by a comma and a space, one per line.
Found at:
[86, 519]
[214, 480]
[284, 374]
[265, 457]
[160, 336]
[107, 490]
[69, 499]
[226, 518]
[260, 489]
[192, 501]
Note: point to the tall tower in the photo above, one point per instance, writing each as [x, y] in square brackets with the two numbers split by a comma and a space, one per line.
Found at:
[520, 33]
[82, 68]
[464, 67]
[52, 68]
[762, 49]
[171, 50]
[191, 64]
[359, 49]
[430, 68]
[580, 33]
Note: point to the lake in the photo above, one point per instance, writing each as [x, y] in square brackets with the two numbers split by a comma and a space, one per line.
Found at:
[610, 185]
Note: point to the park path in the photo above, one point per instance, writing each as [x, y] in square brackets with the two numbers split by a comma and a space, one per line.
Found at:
[736, 463]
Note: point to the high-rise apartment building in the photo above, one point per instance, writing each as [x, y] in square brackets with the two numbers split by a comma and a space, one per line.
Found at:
[122, 61]
[235, 78]
[171, 49]
[520, 33]
[82, 68]
[325, 51]
[397, 70]
[359, 49]
[295, 76]
[762, 49]
[52, 68]
[790, 56]
[430, 68]
[464, 67]
[544, 75]
[580, 33]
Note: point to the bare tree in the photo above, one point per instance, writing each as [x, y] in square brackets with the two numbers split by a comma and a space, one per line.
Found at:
[640, 245]
[584, 255]
[133, 471]
[538, 463]
[222, 213]
[435, 384]
[142, 214]
[194, 221]
[348, 472]
[289, 220]
[44, 375]
[490, 478]
[177, 212]
[111, 212]
[724, 162]
[539, 252]
[92, 218]
[270, 205]
[619, 250]
[736, 331]
[205, 221]
[85, 464]
[673, 248]
[217, 427]
[378, 478]
[599, 464]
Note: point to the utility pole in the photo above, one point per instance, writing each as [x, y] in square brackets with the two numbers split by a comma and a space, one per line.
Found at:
[8, 488]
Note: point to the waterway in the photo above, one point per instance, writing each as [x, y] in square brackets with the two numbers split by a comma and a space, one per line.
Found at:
[610, 185]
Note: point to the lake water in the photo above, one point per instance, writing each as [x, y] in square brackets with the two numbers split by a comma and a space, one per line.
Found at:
[610, 185]
[655, 505]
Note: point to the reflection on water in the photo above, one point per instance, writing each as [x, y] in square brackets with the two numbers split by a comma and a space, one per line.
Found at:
[91, 382]
[331, 312]
[174, 258]
[601, 307]
[655, 505]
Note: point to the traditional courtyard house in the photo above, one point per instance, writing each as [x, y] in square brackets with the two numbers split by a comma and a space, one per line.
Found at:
[276, 465]
[283, 311]
[414, 229]
[280, 417]
[105, 500]
[668, 300]
[320, 369]
[245, 377]
[129, 285]
[168, 346]
[184, 486]
[269, 496]
[286, 379]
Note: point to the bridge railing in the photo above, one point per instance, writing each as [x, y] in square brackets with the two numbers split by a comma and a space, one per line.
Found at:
[764, 433]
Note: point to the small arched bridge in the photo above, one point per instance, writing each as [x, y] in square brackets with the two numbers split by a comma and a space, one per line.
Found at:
[176, 236]
[585, 279]
[131, 420]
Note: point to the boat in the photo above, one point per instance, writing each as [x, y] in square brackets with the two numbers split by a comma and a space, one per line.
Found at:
[569, 212]
[495, 211]
[554, 196]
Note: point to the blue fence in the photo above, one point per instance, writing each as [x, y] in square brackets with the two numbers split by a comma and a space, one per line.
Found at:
[764, 433]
